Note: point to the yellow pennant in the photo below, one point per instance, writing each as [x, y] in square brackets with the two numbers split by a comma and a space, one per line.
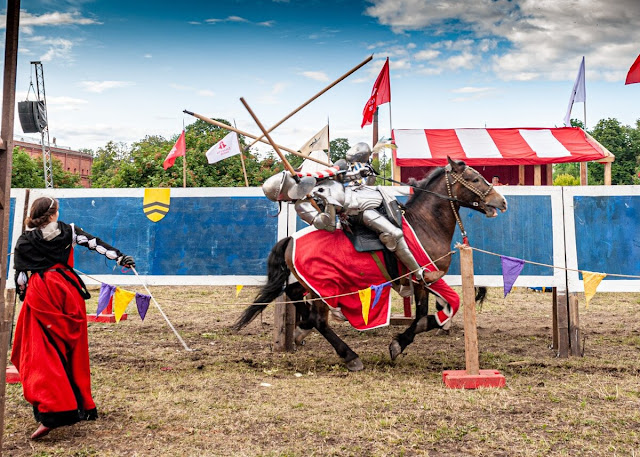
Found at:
[121, 300]
[365, 299]
[155, 203]
[591, 282]
[238, 289]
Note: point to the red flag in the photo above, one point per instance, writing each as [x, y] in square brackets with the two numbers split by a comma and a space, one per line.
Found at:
[380, 94]
[179, 149]
[634, 73]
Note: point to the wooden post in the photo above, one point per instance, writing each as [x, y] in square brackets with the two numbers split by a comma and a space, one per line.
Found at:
[374, 140]
[244, 170]
[537, 175]
[469, 305]
[554, 315]
[583, 174]
[574, 326]
[521, 179]
[563, 324]
[549, 174]
[396, 172]
[607, 173]
[6, 156]
[284, 322]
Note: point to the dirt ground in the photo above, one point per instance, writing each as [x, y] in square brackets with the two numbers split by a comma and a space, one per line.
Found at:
[234, 396]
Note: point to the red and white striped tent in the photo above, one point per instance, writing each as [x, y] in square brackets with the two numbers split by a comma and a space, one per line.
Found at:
[496, 147]
[516, 155]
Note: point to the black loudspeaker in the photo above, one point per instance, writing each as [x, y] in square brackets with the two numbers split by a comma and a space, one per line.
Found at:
[33, 117]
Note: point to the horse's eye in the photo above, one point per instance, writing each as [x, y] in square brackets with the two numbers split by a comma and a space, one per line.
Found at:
[476, 180]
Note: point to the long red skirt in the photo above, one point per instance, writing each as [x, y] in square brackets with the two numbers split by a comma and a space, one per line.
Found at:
[51, 351]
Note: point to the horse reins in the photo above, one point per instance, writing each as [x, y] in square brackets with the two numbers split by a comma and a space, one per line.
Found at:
[455, 177]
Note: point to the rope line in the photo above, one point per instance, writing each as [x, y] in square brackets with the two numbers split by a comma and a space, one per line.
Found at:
[552, 266]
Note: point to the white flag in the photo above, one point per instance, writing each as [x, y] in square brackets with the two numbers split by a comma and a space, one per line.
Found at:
[318, 142]
[578, 94]
[226, 147]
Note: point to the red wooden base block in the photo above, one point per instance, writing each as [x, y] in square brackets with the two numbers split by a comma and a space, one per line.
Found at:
[13, 377]
[459, 379]
[108, 318]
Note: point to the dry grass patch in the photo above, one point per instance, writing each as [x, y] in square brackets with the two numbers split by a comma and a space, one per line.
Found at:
[234, 396]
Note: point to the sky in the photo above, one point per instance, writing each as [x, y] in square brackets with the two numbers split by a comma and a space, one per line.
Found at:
[120, 71]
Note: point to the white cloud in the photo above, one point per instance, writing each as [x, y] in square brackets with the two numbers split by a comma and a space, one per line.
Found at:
[236, 19]
[315, 75]
[147, 56]
[426, 54]
[531, 39]
[270, 23]
[206, 93]
[65, 103]
[59, 48]
[180, 86]
[49, 19]
[101, 86]
[470, 90]
[272, 97]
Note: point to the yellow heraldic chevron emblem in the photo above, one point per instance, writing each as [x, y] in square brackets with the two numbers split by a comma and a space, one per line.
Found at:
[156, 203]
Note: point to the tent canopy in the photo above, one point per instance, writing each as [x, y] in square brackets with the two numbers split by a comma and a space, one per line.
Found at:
[507, 146]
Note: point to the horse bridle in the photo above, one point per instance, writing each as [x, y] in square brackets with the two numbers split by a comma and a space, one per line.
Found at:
[457, 177]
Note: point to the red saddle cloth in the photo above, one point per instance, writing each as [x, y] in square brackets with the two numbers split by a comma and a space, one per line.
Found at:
[331, 266]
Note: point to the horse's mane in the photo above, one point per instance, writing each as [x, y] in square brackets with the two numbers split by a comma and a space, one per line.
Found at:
[424, 183]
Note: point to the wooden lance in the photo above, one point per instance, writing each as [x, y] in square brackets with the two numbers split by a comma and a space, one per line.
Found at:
[233, 129]
[353, 70]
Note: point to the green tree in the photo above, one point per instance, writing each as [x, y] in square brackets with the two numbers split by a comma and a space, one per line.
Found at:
[29, 173]
[622, 142]
[566, 180]
[339, 148]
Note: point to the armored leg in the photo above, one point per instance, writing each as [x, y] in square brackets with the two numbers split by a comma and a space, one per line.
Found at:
[393, 238]
[322, 221]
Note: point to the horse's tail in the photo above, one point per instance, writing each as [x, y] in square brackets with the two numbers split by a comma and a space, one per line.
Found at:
[277, 275]
[481, 294]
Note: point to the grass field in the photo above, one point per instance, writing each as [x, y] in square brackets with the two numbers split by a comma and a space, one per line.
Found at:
[235, 396]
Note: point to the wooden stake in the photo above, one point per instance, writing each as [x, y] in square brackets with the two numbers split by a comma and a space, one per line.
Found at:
[244, 170]
[469, 304]
[184, 169]
[284, 321]
[228, 127]
[353, 70]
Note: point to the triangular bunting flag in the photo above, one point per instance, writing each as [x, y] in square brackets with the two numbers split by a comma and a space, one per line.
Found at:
[365, 299]
[121, 300]
[591, 282]
[106, 292]
[511, 268]
[142, 302]
[238, 289]
[377, 290]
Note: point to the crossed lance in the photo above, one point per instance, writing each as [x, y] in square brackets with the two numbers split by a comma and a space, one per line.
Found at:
[305, 184]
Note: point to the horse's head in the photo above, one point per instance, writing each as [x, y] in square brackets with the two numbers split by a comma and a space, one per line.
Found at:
[471, 190]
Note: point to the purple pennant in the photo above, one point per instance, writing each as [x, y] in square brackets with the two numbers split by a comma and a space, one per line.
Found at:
[142, 302]
[378, 290]
[511, 268]
[106, 292]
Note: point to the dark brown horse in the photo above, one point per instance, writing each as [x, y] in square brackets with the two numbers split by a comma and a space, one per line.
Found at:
[432, 211]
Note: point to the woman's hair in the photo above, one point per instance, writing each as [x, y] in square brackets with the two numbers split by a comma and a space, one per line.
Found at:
[41, 209]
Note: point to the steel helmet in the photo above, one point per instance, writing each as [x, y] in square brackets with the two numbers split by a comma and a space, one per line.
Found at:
[359, 152]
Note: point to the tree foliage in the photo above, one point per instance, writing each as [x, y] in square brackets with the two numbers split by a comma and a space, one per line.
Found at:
[28, 173]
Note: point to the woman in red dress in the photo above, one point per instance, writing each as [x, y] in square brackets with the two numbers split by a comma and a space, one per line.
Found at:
[51, 349]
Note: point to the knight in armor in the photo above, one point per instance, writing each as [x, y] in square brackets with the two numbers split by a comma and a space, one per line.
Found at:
[351, 195]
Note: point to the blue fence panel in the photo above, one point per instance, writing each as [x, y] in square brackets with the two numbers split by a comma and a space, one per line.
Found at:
[199, 236]
[608, 234]
[525, 231]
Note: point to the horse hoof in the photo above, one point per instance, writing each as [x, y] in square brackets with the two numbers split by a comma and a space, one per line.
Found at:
[355, 364]
[394, 349]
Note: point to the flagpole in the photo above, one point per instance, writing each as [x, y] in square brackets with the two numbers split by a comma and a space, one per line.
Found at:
[184, 159]
[244, 170]
[353, 70]
[329, 140]
[230, 128]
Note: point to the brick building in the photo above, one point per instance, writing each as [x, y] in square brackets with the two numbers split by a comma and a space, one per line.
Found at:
[76, 162]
